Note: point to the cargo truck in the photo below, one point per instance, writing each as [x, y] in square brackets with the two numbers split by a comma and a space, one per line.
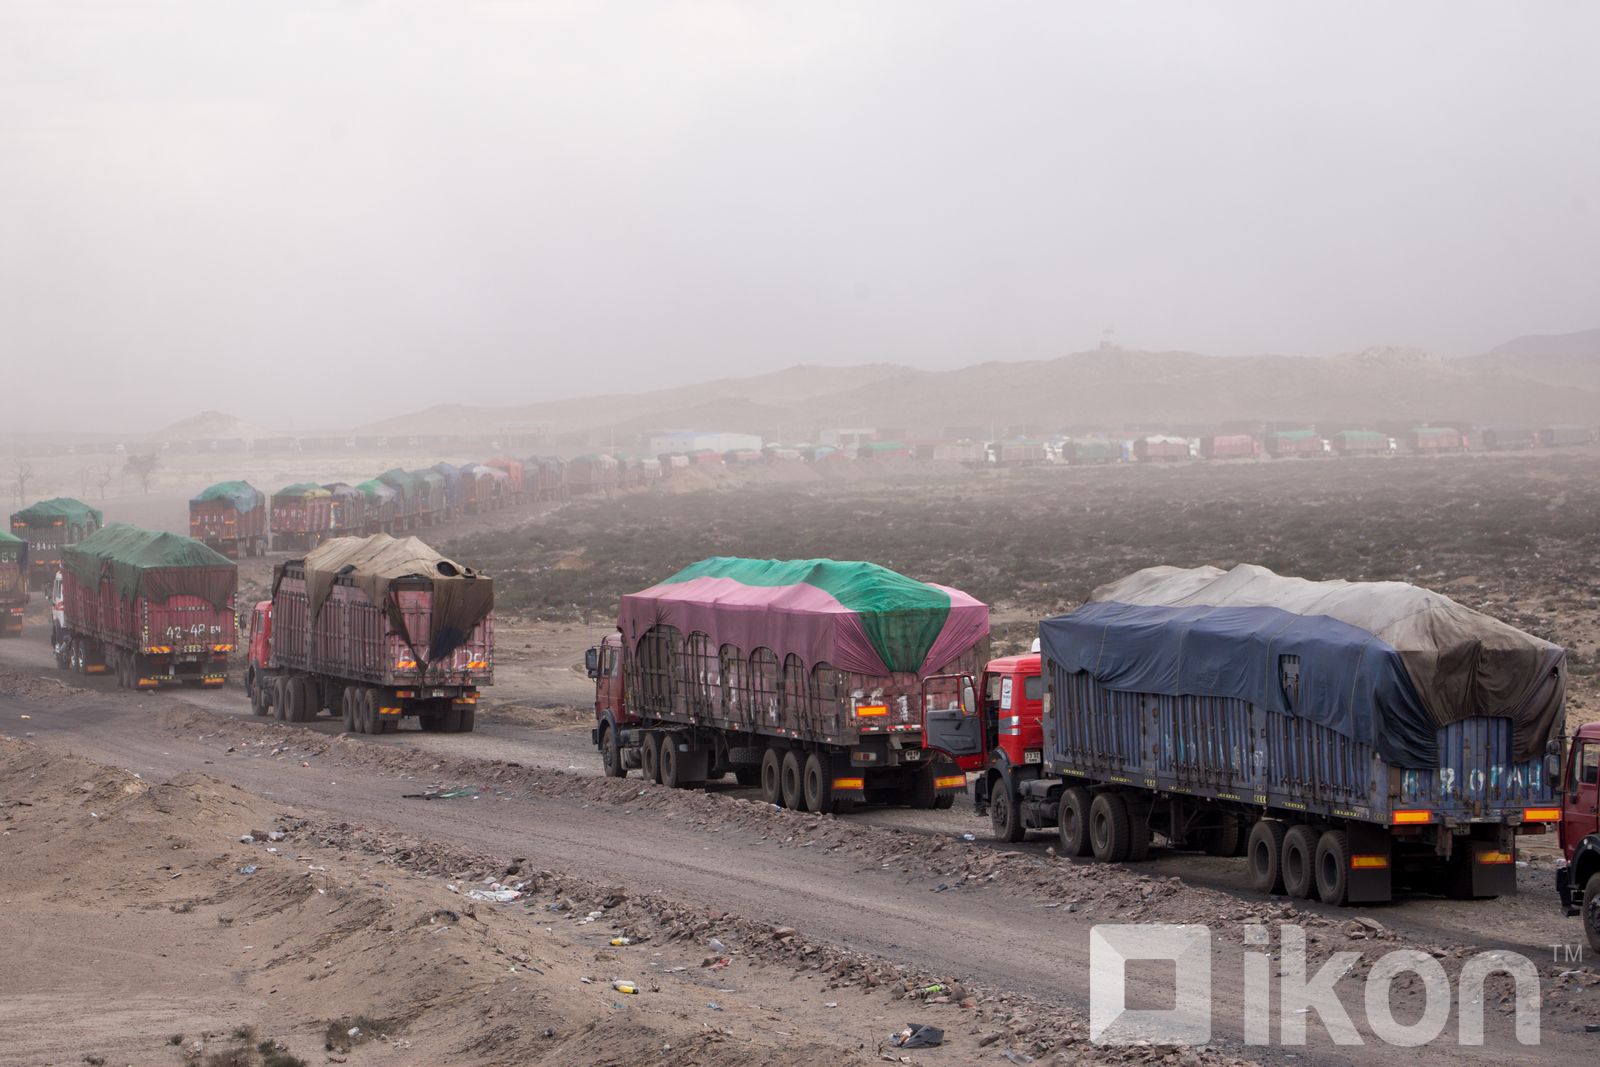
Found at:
[151, 608]
[48, 526]
[1432, 439]
[302, 516]
[1362, 443]
[230, 517]
[374, 629]
[1289, 443]
[13, 583]
[1157, 448]
[1578, 875]
[1346, 737]
[1230, 446]
[381, 508]
[347, 509]
[825, 683]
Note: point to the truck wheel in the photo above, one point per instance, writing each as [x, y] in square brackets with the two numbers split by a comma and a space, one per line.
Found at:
[819, 784]
[772, 776]
[922, 794]
[280, 697]
[670, 760]
[1300, 861]
[1138, 835]
[1591, 911]
[610, 754]
[295, 708]
[1333, 867]
[794, 795]
[469, 719]
[651, 761]
[1225, 839]
[1072, 821]
[347, 707]
[1109, 832]
[1266, 855]
[1005, 820]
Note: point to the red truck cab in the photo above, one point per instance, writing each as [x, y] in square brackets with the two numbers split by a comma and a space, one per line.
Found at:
[611, 714]
[259, 656]
[1013, 715]
[1578, 880]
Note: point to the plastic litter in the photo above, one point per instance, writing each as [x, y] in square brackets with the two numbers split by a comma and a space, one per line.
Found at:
[495, 894]
[622, 986]
[716, 946]
[969, 837]
[248, 868]
[618, 942]
[443, 794]
[918, 1035]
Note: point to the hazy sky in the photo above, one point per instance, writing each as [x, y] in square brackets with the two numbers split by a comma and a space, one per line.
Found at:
[308, 212]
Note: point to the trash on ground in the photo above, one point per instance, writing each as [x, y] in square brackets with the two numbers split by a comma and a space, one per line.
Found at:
[618, 942]
[443, 794]
[622, 986]
[248, 868]
[918, 1035]
[495, 894]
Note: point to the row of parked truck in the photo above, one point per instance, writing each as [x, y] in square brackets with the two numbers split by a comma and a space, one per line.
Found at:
[1346, 739]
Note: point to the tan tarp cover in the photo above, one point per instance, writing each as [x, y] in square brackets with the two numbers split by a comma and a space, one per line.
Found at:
[462, 598]
[1461, 662]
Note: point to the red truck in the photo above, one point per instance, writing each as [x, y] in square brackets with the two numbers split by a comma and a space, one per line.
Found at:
[13, 583]
[375, 629]
[302, 516]
[1158, 448]
[1578, 876]
[1230, 446]
[1157, 707]
[152, 608]
[230, 517]
[47, 526]
[826, 683]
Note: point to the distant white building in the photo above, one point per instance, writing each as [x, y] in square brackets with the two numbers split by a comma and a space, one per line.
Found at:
[698, 441]
[847, 438]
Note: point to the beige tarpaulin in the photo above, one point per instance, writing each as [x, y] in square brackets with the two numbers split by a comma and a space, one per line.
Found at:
[462, 598]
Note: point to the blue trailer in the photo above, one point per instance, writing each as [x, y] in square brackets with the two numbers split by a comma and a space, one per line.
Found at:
[1346, 737]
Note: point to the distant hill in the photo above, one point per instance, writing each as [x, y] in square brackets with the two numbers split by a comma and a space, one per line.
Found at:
[1108, 387]
[212, 425]
[1562, 360]
[1582, 344]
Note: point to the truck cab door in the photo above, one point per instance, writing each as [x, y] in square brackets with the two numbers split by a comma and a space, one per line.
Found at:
[990, 696]
[952, 722]
[1580, 800]
[608, 684]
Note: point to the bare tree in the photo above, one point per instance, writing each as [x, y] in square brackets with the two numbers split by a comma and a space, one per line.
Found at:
[22, 473]
[143, 466]
[102, 477]
[84, 474]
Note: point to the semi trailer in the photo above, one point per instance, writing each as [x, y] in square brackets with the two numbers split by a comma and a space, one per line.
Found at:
[230, 517]
[302, 516]
[48, 526]
[13, 583]
[374, 629]
[1345, 737]
[149, 607]
[826, 683]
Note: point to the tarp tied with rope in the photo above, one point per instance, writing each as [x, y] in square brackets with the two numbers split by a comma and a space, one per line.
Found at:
[462, 597]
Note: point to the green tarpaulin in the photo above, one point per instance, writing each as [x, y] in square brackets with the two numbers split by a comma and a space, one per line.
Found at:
[242, 495]
[301, 490]
[45, 512]
[151, 563]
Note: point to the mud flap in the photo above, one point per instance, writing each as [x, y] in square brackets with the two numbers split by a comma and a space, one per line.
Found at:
[1493, 871]
[1371, 864]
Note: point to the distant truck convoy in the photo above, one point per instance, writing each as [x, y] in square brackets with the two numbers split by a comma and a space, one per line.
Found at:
[48, 526]
[301, 516]
[230, 517]
[151, 608]
[1345, 737]
[375, 629]
[13, 583]
[825, 683]
[1578, 876]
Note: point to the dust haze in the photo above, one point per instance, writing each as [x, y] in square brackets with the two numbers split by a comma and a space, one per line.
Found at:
[319, 216]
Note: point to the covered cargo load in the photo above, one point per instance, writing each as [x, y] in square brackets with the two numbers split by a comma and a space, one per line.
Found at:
[382, 506]
[1360, 442]
[302, 515]
[455, 491]
[47, 526]
[375, 629]
[432, 497]
[1563, 436]
[1229, 446]
[347, 509]
[152, 606]
[408, 496]
[1081, 450]
[1434, 439]
[1283, 443]
[514, 472]
[1504, 438]
[13, 583]
[1160, 447]
[230, 517]
[828, 682]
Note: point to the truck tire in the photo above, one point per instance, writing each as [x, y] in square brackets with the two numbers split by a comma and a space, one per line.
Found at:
[794, 793]
[670, 761]
[1225, 839]
[923, 795]
[294, 709]
[280, 698]
[1138, 834]
[1109, 832]
[1333, 867]
[1300, 861]
[1072, 821]
[651, 757]
[819, 784]
[347, 708]
[469, 719]
[1591, 911]
[772, 776]
[1266, 855]
[1005, 821]
[610, 754]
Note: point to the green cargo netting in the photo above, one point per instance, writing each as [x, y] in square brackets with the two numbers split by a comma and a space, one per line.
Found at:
[301, 489]
[242, 495]
[376, 490]
[11, 548]
[45, 512]
[1294, 435]
[152, 563]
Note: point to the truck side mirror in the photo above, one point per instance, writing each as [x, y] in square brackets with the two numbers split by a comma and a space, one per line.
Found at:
[1552, 764]
[969, 698]
[591, 662]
